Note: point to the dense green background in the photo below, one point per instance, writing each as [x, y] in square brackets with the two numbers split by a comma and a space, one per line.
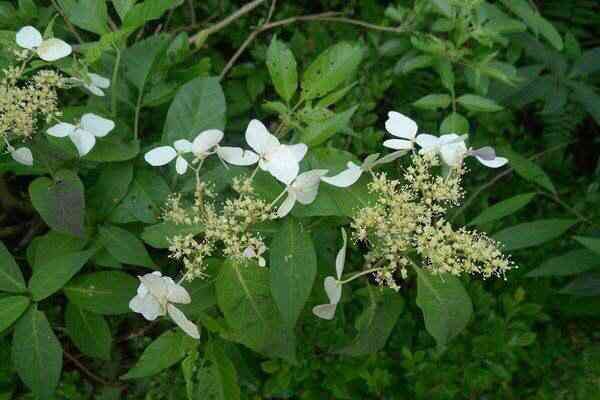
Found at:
[534, 335]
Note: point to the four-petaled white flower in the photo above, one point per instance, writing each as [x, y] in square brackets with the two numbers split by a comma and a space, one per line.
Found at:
[22, 155]
[155, 297]
[94, 83]
[280, 160]
[303, 189]
[453, 150]
[84, 134]
[403, 128]
[165, 154]
[487, 156]
[252, 252]
[353, 172]
[48, 50]
[333, 286]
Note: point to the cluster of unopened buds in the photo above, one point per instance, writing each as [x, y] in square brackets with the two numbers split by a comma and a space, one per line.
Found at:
[91, 126]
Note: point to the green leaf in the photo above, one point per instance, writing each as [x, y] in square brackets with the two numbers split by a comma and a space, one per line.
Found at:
[282, 67]
[60, 202]
[11, 308]
[535, 21]
[146, 11]
[158, 235]
[455, 123]
[529, 170]
[90, 332]
[105, 292]
[587, 97]
[125, 246]
[145, 199]
[90, 15]
[52, 245]
[223, 371]
[445, 304]
[319, 132]
[110, 188]
[54, 274]
[503, 209]
[163, 353]
[476, 103]
[410, 63]
[585, 285]
[433, 102]
[122, 7]
[114, 148]
[11, 278]
[37, 354]
[571, 263]
[375, 324]
[139, 59]
[333, 67]
[333, 200]
[199, 105]
[591, 243]
[293, 268]
[587, 64]
[531, 234]
[244, 297]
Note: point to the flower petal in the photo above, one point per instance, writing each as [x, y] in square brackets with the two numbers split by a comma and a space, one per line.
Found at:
[177, 293]
[95, 90]
[156, 285]
[333, 289]
[53, 49]
[345, 178]
[181, 320]
[99, 81]
[148, 306]
[23, 156]
[427, 142]
[495, 163]
[61, 129]
[325, 311]
[306, 185]
[183, 146]
[453, 153]
[83, 140]
[29, 38]
[282, 165]
[160, 156]
[286, 206]
[206, 140]
[340, 259]
[181, 165]
[398, 144]
[298, 150]
[401, 126]
[237, 156]
[259, 138]
[97, 125]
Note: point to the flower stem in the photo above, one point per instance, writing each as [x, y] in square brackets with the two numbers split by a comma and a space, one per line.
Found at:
[115, 76]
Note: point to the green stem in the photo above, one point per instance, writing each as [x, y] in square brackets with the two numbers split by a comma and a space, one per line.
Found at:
[115, 76]
[138, 108]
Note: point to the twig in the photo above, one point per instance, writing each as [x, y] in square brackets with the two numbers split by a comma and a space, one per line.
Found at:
[500, 176]
[192, 12]
[67, 22]
[89, 373]
[223, 23]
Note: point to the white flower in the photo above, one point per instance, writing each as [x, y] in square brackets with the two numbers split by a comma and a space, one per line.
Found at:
[303, 189]
[165, 154]
[402, 127]
[453, 150]
[155, 297]
[22, 155]
[487, 156]
[251, 252]
[94, 83]
[280, 160]
[333, 287]
[353, 172]
[48, 50]
[84, 134]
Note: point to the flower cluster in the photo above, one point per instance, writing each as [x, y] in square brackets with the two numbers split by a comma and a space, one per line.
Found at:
[26, 101]
[225, 227]
[406, 226]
